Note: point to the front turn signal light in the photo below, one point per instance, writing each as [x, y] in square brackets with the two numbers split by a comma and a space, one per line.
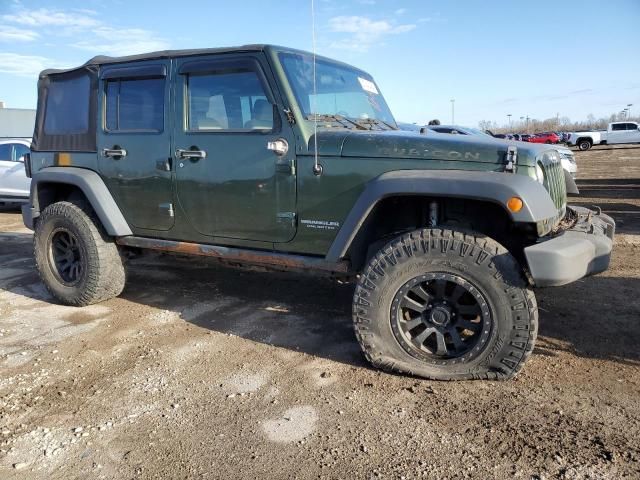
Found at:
[514, 204]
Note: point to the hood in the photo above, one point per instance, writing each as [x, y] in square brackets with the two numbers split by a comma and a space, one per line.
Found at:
[409, 145]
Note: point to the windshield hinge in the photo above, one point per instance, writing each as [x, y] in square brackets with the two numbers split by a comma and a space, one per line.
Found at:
[290, 118]
[511, 159]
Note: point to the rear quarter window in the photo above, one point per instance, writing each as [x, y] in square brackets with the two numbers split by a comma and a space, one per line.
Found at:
[67, 106]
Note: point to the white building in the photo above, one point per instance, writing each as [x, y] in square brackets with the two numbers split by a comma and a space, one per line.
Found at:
[16, 122]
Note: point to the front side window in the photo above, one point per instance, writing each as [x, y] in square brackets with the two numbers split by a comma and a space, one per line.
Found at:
[19, 151]
[67, 107]
[339, 89]
[228, 101]
[135, 105]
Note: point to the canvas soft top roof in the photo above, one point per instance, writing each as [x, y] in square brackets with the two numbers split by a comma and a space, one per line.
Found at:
[105, 60]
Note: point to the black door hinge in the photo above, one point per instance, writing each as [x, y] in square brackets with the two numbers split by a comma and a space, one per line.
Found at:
[290, 118]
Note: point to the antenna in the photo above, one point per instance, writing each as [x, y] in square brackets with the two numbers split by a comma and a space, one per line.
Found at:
[317, 168]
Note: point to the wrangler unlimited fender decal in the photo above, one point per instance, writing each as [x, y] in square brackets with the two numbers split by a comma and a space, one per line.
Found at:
[493, 187]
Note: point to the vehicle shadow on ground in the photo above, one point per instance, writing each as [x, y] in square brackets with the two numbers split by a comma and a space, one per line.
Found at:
[626, 214]
[594, 318]
[624, 146]
[287, 310]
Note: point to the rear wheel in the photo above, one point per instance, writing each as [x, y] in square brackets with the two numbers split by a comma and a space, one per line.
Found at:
[584, 145]
[77, 261]
[446, 305]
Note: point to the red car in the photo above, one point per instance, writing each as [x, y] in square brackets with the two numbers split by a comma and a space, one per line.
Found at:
[545, 138]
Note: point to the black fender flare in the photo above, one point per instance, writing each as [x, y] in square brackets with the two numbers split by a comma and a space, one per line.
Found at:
[494, 187]
[94, 189]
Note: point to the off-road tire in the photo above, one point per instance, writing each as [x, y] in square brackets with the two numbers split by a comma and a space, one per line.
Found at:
[584, 145]
[477, 259]
[103, 270]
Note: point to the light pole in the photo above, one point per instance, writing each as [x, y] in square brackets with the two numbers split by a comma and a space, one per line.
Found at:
[629, 105]
[453, 111]
[509, 116]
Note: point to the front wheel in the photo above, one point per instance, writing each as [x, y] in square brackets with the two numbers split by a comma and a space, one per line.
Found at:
[446, 305]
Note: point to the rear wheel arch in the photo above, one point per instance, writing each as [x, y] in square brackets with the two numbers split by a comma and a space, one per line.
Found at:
[68, 183]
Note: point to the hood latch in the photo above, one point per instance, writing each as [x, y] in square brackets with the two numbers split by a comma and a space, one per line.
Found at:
[511, 159]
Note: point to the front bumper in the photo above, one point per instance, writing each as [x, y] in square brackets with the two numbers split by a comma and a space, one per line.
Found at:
[580, 251]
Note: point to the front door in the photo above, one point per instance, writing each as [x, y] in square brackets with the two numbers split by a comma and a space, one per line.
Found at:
[234, 178]
[134, 146]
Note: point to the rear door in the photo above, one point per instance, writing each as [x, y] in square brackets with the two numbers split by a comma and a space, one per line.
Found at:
[134, 141]
[617, 134]
[229, 181]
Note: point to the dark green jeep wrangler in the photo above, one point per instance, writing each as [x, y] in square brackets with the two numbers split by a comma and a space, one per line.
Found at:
[267, 156]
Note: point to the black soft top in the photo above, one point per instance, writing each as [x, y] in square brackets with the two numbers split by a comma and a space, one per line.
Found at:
[162, 54]
[67, 98]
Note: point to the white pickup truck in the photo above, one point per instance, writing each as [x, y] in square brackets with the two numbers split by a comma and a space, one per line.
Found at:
[618, 132]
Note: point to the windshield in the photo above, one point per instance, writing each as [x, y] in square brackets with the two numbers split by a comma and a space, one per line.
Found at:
[475, 131]
[341, 90]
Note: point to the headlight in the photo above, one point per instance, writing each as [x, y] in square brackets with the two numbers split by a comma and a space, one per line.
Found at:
[539, 173]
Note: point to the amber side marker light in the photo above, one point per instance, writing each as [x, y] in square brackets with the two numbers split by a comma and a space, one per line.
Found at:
[514, 204]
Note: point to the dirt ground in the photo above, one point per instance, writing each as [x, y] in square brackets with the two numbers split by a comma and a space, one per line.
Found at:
[198, 371]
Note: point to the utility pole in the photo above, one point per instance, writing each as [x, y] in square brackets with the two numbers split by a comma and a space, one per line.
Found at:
[558, 121]
[509, 116]
[453, 111]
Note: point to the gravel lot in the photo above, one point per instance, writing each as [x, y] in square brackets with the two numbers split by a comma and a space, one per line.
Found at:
[198, 371]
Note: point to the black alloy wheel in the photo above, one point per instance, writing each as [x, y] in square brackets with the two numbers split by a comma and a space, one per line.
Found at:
[440, 317]
[65, 257]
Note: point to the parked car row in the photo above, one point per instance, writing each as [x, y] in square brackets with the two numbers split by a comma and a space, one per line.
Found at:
[616, 133]
[14, 184]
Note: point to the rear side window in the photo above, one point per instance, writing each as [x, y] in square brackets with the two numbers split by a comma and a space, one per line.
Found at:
[618, 126]
[67, 109]
[227, 101]
[5, 152]
[135, 105]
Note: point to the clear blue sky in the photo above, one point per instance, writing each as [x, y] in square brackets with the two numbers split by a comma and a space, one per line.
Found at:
[494, 57]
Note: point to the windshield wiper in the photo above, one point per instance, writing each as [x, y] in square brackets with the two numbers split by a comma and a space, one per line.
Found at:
[344, 121]
[377, 122]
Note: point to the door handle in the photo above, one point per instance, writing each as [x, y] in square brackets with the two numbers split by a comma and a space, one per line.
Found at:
[193, 153]
[280, 147]
[115, 152]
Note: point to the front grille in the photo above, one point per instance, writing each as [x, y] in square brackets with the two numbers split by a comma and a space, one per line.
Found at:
[554, 181]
